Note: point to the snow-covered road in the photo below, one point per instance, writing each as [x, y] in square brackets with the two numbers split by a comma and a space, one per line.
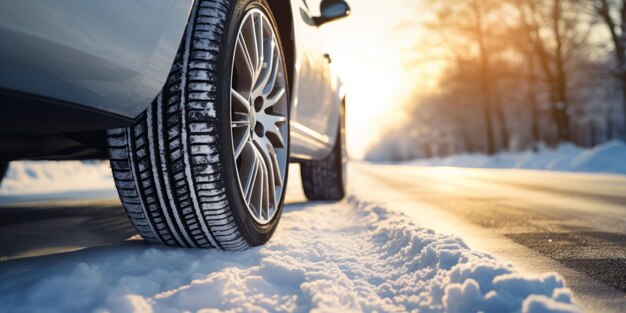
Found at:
[574, 224]
[350, 256]
[329, 257]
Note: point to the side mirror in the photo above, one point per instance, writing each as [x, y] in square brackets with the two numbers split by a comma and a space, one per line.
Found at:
[332, 10]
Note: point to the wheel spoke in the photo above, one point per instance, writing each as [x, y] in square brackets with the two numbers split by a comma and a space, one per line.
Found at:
[240, 120]
[242, 140]
[272, 173]
[240, 103]
[263, 194]
[252, 43]
[243, 62]
[278, 179]
[271, 123]
[273, 176]
[268, 72]
[276, 119]
[270, 81]
[259, 185]
[273, 168]
[254, 185]
[273, 100]
[250, 166]
[249, 33]
[259, 41]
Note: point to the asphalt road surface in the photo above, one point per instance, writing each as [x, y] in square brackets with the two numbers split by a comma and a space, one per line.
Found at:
[573, 224]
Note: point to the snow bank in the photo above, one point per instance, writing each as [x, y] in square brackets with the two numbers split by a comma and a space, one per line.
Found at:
[30, 177]
[332, 257]
[606, 158]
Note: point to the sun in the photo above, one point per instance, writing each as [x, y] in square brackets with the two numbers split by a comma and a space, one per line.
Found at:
[373, 58]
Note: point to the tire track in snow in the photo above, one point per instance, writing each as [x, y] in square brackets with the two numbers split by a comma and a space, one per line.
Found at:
[327, 257]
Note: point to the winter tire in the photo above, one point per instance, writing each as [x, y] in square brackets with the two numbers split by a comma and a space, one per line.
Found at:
[207, 163]
[326, 179]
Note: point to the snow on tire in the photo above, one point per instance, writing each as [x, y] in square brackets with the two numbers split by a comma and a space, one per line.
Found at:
[174, 169]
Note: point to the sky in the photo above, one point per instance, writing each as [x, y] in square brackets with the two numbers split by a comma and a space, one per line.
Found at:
[367, 50]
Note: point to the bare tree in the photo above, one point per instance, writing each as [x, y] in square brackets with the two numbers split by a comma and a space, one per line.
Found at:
[516, 73]
[472, 23]
[557, 32]
[613, 13]
[535, 22]
[561, 106]
[526, 45]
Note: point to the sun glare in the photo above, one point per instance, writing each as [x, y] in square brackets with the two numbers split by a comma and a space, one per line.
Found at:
[367, 53]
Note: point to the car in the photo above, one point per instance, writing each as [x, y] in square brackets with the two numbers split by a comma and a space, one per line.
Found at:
[200, 106]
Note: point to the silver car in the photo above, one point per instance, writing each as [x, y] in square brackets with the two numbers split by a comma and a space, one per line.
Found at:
[199, 106]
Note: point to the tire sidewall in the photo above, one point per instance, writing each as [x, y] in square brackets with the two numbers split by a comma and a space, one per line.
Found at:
[254, 233]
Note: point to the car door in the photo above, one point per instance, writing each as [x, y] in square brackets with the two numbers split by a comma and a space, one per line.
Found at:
[316, 100]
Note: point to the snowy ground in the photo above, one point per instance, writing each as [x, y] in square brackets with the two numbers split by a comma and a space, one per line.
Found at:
[326, 257]
[606, 158]
[348, 256]
[40, 181]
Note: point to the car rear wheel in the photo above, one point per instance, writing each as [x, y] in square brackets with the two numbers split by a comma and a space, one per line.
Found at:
[326, 179]
[206, 166]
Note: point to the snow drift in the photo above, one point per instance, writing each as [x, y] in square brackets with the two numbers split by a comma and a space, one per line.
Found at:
[606, 158]
[327, 257]
[30, 177]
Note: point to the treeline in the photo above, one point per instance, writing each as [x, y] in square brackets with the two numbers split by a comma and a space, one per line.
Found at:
[519, 74]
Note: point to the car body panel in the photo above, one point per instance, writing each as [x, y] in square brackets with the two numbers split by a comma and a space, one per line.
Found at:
[317, 91]
[112, 56]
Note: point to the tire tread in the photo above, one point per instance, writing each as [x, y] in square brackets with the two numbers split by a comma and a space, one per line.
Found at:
[167, 167]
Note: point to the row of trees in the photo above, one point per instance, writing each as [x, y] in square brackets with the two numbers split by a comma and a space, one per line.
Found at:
[519, 74]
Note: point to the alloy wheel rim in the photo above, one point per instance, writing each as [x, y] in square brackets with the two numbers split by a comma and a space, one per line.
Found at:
[259, 116]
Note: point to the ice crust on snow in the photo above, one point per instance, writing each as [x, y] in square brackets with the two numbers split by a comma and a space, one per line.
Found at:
[606, 158]
[328, 257]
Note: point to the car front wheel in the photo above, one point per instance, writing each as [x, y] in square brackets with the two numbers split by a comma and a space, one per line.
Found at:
[206, 166]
